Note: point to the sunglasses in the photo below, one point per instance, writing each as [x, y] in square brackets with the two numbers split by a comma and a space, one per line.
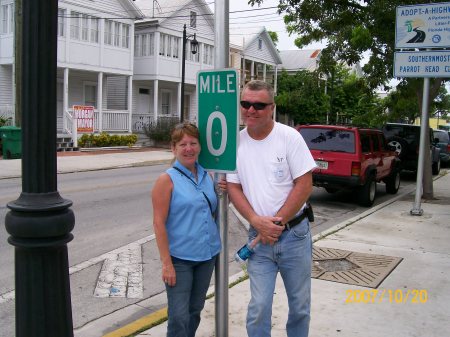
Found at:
[255, 105]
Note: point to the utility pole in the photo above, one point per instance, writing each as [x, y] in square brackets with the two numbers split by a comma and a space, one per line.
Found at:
[40, 220]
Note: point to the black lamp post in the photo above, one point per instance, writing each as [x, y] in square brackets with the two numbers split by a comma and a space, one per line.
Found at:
[194, 49]
[40, 220]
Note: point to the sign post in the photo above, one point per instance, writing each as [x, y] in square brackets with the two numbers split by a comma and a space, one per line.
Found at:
[218, 117]
[422, 26]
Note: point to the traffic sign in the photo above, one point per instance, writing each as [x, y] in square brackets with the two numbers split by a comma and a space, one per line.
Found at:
[218, 116]
[423, 26]
[434, 63]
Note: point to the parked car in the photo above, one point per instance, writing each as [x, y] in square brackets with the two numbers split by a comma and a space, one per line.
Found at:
[442, 140]
[406, 139]
[352, 158]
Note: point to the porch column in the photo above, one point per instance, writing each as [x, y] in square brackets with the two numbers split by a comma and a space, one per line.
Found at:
[130, 102]
[180, 113]
[264, 72]
[100, 101]
[252, 71]
[66, 99]
[244, 77]
[155, 100]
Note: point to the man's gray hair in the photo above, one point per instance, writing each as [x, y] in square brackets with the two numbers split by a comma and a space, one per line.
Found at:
[257, 85]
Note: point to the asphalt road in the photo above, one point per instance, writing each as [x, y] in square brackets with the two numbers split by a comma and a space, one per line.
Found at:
[113, 209]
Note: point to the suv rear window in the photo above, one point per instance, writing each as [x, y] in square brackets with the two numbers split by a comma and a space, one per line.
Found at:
[329, 140]
[442, 136]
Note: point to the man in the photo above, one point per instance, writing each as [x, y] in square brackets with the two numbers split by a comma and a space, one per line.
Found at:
[272, 184]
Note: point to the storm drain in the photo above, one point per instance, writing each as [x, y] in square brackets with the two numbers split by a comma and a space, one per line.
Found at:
[365, 270]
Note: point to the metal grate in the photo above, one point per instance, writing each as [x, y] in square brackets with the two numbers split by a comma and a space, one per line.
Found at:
[337, 265]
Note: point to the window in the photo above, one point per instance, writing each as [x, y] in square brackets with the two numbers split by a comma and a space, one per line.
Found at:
[85, 27]
[90, 94]
[176, 43]
[329, 139]
[193, 20]
[162, 44]
[151, 44]
[165, 102]
[137, 45]
[116, 34]
[169, 46]
[144, 48]
[108, 32]
[208, 53]
[260, 43]
[61, 22]
[7, 14]
[94, 29]
[125, 36]
[144, 44]
[75, 18]
[365, 143]
[143, 91]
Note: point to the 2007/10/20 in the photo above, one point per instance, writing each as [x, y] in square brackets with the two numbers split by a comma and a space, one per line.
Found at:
[386, 295]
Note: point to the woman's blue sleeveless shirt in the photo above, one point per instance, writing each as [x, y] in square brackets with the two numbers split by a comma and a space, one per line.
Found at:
[192, 232]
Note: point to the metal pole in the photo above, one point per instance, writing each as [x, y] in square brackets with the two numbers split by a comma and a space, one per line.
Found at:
[183, 73]
[416, 210]
[221, 60]
[40, 220]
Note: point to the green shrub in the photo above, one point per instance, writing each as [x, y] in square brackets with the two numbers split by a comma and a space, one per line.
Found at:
[4, 120]
[160, 131]
[104, 140]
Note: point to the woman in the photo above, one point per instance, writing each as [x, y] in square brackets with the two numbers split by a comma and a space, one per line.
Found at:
[187, 235]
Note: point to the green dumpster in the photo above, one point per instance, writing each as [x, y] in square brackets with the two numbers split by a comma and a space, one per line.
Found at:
[11, 142]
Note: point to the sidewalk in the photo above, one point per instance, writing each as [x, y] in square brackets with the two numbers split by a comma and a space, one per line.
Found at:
[411, 301]
[68, 162]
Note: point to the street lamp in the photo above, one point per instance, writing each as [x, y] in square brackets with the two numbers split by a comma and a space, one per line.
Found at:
[194, 49]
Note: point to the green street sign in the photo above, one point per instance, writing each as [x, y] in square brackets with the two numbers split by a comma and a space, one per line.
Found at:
[218, 116]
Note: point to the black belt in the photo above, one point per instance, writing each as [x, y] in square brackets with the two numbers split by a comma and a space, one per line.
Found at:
[295, 221]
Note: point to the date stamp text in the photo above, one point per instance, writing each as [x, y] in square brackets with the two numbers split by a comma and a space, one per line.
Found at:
[414, 296]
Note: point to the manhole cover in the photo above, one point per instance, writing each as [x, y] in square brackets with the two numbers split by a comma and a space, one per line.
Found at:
[337, 265]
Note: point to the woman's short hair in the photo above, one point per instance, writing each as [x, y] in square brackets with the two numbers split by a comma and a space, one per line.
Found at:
[182, 129]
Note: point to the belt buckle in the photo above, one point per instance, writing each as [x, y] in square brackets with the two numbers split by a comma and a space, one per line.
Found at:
[287, 226]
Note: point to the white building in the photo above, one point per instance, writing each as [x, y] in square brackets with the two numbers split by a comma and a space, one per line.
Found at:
[158, 58]
[95, 58]
[131, 71]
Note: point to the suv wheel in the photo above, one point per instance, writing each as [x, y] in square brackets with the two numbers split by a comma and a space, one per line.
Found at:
[400, 145]
[393, 182]
[367, 192]
[436, 168]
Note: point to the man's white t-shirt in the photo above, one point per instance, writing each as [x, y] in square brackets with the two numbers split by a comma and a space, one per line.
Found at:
[266, 168]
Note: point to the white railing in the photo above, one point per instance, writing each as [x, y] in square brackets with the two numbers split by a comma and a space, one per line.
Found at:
[113, 120]
[139, 121]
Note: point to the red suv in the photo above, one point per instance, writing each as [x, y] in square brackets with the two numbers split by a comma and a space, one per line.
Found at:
[352, 158]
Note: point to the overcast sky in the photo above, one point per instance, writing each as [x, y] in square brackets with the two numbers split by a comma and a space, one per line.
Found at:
[265, 15]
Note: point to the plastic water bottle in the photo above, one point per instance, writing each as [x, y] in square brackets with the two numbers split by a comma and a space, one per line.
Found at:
[244, 253]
